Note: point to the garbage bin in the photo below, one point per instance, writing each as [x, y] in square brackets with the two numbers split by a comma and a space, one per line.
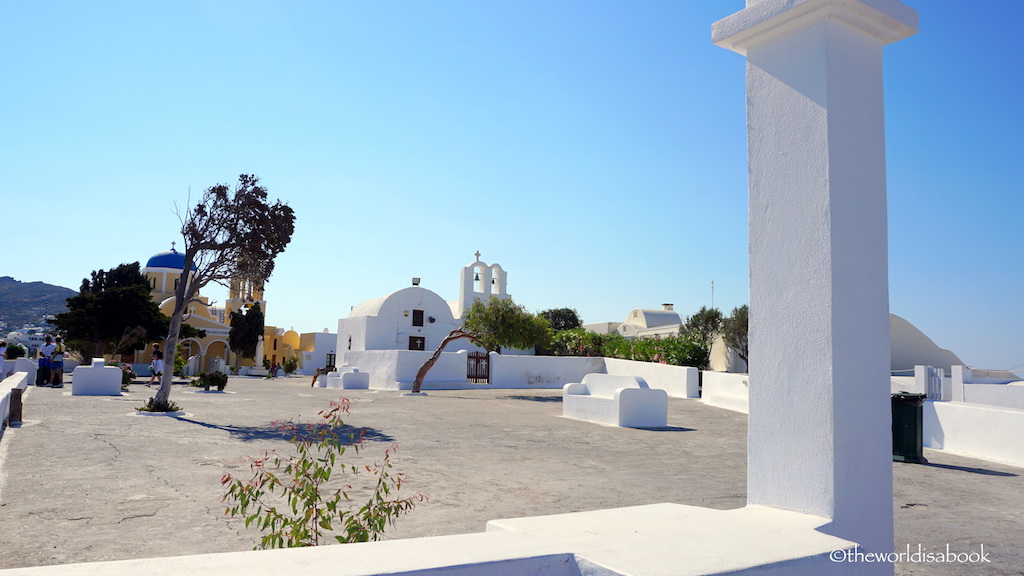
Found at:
[908, 428]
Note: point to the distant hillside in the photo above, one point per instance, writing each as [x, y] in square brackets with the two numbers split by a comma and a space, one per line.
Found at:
[27, 302]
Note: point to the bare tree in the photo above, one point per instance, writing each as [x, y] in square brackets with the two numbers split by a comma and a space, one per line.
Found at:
[229, 233]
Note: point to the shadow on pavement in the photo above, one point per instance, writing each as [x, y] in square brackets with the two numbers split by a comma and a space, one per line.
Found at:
[284, 432]
[983, 471]
[533, 398]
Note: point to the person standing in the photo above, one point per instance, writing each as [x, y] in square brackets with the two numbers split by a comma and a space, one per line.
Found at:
[156, 364]
[3, 351]
[43, 371]
[57, 363]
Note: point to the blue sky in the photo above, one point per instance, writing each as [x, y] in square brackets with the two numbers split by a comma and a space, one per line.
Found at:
[596, 150]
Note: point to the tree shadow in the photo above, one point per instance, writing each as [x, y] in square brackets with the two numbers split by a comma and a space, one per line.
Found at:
[532, 398]
[285, 432]
[983, 471]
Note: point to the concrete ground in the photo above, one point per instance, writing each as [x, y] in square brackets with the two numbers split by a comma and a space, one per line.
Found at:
[87, 479]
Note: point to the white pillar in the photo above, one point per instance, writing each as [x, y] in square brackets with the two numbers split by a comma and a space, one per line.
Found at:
[819, 430]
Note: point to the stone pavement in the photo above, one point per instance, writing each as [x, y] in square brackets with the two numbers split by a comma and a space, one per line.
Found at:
[87, 479]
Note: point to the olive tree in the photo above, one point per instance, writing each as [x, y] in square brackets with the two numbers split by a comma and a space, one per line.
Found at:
[498, 322]
[735, 330]
[230, 232]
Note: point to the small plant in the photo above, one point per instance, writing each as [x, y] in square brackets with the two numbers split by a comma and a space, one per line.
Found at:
[152, 406]
[180, 360]
[128, 374]
[290, 364]
[311, 508]
[208, 379]
[234, 370]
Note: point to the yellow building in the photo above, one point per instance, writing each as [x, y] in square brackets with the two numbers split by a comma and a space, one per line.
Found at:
[213, 352]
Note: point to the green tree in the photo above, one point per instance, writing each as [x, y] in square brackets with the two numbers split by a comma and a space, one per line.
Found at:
[562, 318]
[735, 330]
[499, 322]
[245, 333]
[229, 233]
[703, 327]
[112, 313]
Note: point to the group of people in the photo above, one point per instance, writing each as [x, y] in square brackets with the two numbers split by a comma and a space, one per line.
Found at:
[50, 371]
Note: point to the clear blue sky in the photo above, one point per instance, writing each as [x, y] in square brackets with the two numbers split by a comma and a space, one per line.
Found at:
[596, 150]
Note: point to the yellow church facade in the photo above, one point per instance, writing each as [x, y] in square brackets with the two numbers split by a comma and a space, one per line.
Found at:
[212, 352]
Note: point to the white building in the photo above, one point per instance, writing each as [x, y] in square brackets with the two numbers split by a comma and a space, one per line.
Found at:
[415, 318]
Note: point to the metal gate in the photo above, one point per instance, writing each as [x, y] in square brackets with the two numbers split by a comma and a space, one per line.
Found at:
[478, 368]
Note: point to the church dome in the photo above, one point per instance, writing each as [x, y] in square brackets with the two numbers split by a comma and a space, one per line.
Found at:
[169, 259]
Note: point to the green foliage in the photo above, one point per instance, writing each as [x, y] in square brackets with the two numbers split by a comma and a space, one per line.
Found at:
[735, 332]
[112, 313]
[704, 326]
[180, 361]
[245, 333]
[502, 322]
[562, 318]
[16, 351]
[674, 350]
[153, 405]
[293, 501]
[290, 364]
[207, 380]
[127, 373]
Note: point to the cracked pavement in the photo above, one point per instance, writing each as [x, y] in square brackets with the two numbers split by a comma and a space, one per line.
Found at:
[86, 479]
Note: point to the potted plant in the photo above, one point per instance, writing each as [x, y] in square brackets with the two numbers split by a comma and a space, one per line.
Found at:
[208, 379]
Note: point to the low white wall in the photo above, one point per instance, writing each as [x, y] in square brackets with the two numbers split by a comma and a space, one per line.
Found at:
[678, 381]
[540, 371]
[997, 395]
[18, 380]
[985, 432]
[907, 384]
[396, 369]
[725, 390]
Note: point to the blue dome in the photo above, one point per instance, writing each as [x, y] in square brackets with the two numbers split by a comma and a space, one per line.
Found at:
[169, 259]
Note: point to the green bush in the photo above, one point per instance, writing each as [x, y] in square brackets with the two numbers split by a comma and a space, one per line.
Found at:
[675, 350]
[16, 351]
[208, 379]
[290, 364]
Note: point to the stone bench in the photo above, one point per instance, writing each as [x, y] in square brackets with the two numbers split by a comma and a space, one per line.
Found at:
[615, 400]
[346, 378]
[96, 380]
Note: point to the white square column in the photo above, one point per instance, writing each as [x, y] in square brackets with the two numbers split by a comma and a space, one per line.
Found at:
[819, 429]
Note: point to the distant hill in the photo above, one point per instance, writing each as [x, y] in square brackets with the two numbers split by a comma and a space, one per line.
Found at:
[27, 302]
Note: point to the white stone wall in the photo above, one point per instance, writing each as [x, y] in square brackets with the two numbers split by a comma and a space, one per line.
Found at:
[540, 371]
[725, 390]
[678, 381]
[984, 432]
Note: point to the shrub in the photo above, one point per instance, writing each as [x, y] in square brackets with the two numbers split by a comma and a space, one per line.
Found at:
[16, 351]
[288, 497]
[290, 364]
[152, 406]
[675, 350]
[208, 379]
[127, 373]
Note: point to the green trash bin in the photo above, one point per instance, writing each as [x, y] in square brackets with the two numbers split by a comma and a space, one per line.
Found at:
[908, 428]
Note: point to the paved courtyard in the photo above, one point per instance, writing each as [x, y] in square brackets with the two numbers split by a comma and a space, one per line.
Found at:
[85, 479]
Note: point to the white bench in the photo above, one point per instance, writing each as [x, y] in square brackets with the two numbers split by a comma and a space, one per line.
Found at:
[96, 380]
[615, 400]
[346, 378]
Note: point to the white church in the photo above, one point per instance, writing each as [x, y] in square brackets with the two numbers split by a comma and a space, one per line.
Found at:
[418, 319]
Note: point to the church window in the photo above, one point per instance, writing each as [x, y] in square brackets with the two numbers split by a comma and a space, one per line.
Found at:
[417, 343]
[417, 317]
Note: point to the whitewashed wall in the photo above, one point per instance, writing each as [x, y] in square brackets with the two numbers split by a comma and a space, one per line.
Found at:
[540, 371]
[985, 432]
[396, 369]
[19, 380]
[724, 390]
[678, 381]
